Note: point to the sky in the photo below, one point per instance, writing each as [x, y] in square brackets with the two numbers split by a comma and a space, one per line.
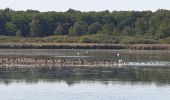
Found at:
[85, 5]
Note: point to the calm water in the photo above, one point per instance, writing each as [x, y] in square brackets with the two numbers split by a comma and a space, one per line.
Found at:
[120, 84]
[129, 84]
[84, 91]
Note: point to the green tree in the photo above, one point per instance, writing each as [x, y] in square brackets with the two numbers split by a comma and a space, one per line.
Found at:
[164, 29]
[117, 23]
[59, 29]
[11, 29]
[66, 27]
[153, 25]
[3, 20]
[108, 28]
[129, 31]
[35, 28]
[140, 26]
[94, 28]
[22, 21]
[19, 33]
[79, 28]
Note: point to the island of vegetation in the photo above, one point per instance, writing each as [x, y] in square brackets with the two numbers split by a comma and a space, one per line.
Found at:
[117, 27]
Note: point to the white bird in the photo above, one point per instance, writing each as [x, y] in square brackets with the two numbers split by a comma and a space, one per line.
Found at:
[120, 61]
[118, 54]
[78, 53]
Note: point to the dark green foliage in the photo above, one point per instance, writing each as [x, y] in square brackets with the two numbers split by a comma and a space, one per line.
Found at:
[59, 30]
[19, 33]
[10, 29]
[129, 31]
[66, 27]
[108, 28]
[32, 23]
[35, 28]
[94, 28]
[140, 26]
[79, 28]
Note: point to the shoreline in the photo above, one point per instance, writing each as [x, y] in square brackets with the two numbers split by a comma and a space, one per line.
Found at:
[84, 46]
[68, 60]
[71, 64]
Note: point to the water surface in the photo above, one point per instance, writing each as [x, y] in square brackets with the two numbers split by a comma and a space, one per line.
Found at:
[129, 84]
[133, 83]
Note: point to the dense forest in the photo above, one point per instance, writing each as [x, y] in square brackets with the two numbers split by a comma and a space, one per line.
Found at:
[109, 26]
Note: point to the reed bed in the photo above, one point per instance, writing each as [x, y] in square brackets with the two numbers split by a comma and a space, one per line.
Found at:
[83, 46]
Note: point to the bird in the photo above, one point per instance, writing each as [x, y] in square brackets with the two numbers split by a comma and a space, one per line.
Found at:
[118, 54]
[78, 53]
[120, 61]
[130, 51]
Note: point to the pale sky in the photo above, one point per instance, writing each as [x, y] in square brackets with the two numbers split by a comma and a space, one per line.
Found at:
[85, 5]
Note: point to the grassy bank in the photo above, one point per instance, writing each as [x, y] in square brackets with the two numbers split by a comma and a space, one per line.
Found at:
[96, 41]
[95, 38]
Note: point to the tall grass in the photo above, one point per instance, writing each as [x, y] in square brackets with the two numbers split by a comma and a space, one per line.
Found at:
[96, 41]
[83, 46]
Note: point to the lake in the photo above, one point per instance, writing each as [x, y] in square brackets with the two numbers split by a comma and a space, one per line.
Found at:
[132, 83]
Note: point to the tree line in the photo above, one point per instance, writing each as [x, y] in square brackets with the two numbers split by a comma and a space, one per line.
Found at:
[32, 23]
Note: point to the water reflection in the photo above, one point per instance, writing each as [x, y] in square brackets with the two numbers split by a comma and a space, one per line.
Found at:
[160, 76]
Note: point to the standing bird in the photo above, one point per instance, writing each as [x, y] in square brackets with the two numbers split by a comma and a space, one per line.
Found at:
[119, 60]
[78, 53]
